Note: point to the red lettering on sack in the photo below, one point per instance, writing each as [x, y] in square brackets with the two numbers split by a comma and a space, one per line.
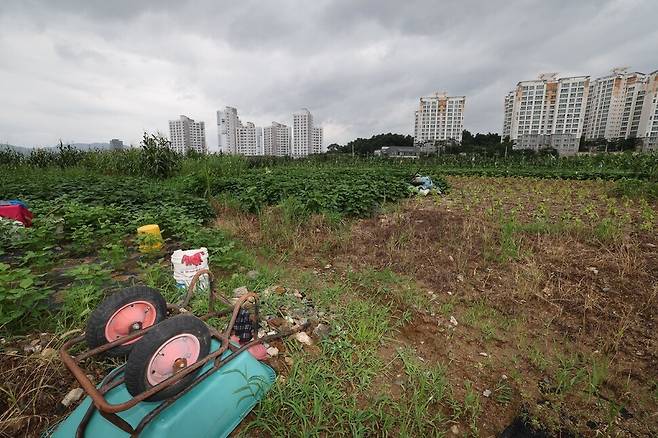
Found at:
[194, 259]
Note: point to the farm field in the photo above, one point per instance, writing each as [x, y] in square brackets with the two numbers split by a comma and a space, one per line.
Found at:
[501, 301]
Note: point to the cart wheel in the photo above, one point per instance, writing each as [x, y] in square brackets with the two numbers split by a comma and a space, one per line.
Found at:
[169, 347]
[122, 313]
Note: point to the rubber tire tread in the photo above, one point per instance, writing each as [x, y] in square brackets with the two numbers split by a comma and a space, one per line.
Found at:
[95, 330]
[143, 350]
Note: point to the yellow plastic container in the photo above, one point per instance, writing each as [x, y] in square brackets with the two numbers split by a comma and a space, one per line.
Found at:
[150, 238]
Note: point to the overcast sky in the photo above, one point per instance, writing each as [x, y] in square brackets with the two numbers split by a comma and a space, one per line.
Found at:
[88, 71]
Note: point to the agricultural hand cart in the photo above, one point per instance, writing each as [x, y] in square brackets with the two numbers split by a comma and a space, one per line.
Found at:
[182, 377]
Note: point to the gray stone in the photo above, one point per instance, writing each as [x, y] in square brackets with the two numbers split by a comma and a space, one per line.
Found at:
[303, 338]
[73, 396]
[252, 275]
[239, 291]
[49, 353]
[322, 331]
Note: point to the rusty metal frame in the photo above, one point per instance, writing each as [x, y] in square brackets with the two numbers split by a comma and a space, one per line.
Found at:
[113, 379]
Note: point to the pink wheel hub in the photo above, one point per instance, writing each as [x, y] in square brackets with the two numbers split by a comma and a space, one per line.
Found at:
[170, 355]
[133, 316]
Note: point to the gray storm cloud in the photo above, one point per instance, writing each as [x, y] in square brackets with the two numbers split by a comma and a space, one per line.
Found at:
[89, 71]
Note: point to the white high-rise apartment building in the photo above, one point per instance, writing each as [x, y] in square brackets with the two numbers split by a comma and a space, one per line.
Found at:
[507, 119]
[249, 140]
[234, 137]
[636, 89]
[607, 104]
[546, 106]
[187, 135]
[307, 139]
[317, 140]
[618, 106]
[570, 106]
[623, 105]
[227, 124]
[439, 117]
[648, 121]
[276, 140]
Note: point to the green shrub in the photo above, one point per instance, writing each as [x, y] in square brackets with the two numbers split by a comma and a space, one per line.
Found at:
[157, 159]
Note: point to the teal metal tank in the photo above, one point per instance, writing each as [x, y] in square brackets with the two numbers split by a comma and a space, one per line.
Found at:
[211, 409]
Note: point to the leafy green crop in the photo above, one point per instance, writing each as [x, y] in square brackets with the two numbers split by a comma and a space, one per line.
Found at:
[21, 294]
[352, 191]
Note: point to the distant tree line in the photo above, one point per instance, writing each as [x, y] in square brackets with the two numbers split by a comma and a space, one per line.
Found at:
[604, 145]
[489, 144]
[367, 146]
[486, 144]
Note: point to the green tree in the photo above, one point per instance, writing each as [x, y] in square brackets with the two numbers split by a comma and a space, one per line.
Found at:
[367, 146]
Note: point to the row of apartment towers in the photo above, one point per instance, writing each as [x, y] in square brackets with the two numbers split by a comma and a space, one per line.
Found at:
[620, 105]
[235, 137]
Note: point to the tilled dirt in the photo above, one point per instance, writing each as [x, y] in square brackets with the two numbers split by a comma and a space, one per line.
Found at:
[570, 295]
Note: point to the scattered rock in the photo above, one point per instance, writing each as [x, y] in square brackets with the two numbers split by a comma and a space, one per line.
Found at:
[252, 275]
[328, 266]
[504, 377]
[322, 331]
[454, 429]
[298, 294]
[29, 349]
[303, 338]
[276, 323]
[486, 393]
[593, 269]
[273, 351]
[460, 278]
[453, 320]
[451, 258]
[49, 353]
[625, 414]
[73, 396]
[239, 291]
[483, 354]
[288, 360]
